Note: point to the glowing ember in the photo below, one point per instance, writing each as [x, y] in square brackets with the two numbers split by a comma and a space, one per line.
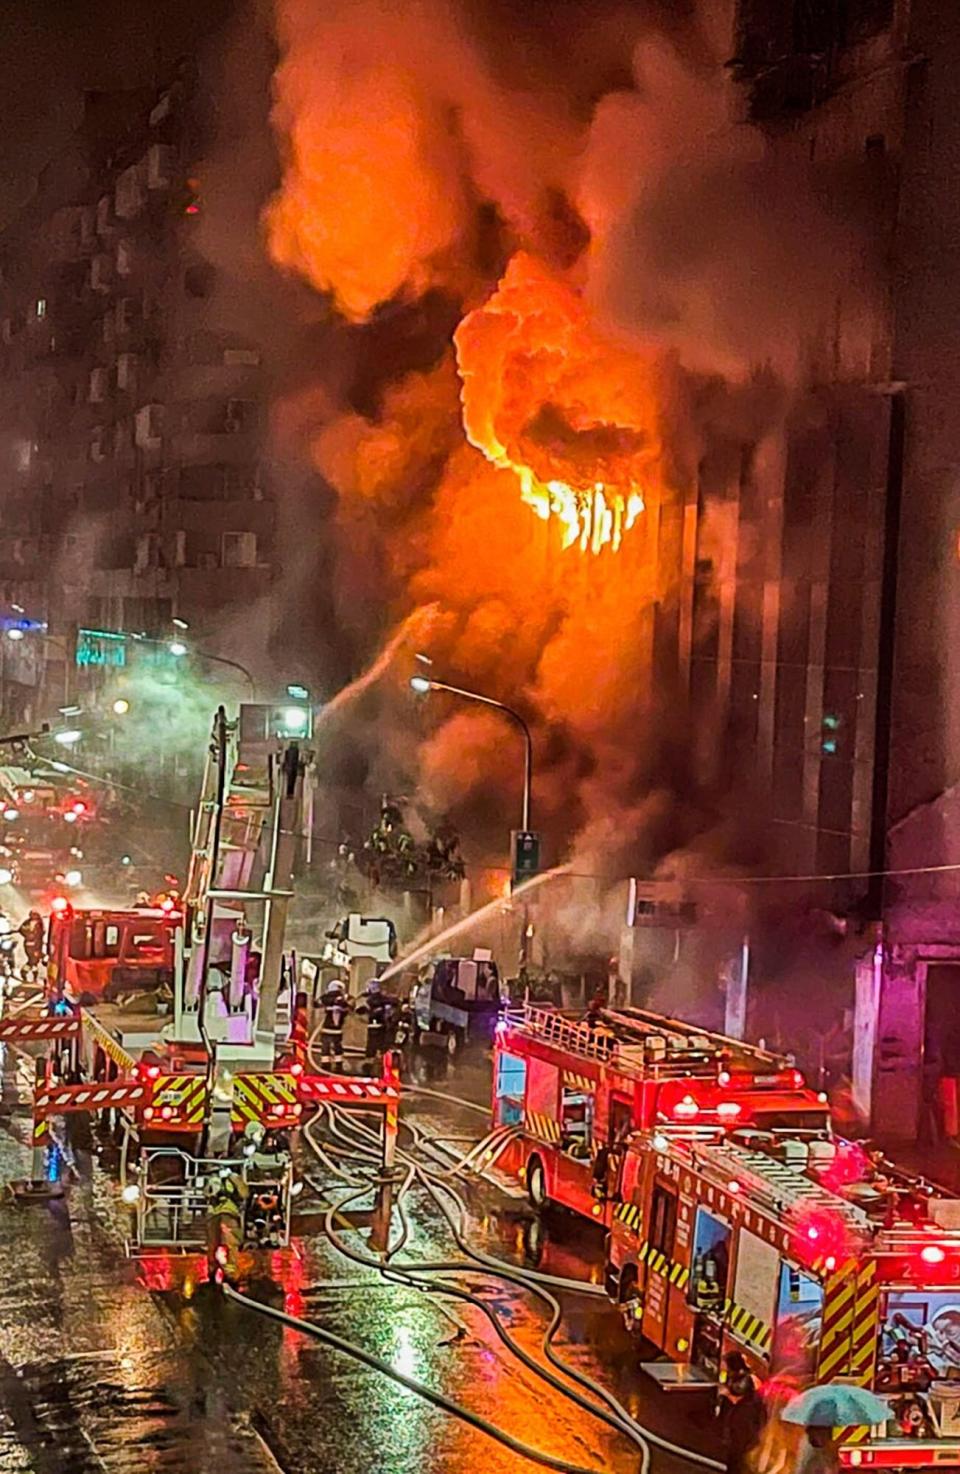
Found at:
[571, 413]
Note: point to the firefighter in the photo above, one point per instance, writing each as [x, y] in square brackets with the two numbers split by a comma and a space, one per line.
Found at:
[335, 1006]
[265, 1150]
[31, 931]
[227, 1195]
[593, 1018]
[376, 1005]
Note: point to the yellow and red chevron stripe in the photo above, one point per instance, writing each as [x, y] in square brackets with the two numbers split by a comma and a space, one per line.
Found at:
[179, 1100]
[574, 1081]
[269, 1098]
[839, 1306]
[541, 1126]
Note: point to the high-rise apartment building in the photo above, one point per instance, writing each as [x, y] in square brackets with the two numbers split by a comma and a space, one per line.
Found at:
[131, 421]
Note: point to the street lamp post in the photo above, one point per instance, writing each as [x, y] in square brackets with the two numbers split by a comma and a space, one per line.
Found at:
[427, 683]
[178, 648]
[424, 684]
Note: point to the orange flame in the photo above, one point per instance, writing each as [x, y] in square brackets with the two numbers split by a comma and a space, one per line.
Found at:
[570, 412]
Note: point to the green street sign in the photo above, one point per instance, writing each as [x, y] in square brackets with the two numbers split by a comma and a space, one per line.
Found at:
[101, 647]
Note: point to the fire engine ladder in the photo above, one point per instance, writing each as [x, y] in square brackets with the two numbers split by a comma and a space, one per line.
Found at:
[628, 1046]
[252, 803]
[776, 1186]
[640, 1024]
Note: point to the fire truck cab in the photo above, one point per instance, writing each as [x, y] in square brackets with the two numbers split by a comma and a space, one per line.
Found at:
[99, 954]
[574, 1092]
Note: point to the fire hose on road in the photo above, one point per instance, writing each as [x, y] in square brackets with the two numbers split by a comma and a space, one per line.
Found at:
[614, 1414]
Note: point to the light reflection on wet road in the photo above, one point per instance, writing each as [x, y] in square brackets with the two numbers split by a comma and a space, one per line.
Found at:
[107, 1365]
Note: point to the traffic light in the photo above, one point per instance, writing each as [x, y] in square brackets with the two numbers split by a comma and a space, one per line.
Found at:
[524, 855]
[829, 733]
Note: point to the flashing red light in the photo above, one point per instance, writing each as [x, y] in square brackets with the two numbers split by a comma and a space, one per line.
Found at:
[724, 1077]
[797, 1080]
[168, 905]
[813, 1233]
[733, 1186]
[166, 1112]
[830, 1262]
[686, 1109]
[152, 1071]
[79, 807]
[296, 1068]
[932, 1254]
[192, 210]
[59, 904]
[148, 1113]
[728, 1110]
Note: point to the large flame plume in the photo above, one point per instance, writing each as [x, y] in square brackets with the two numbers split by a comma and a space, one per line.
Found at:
[608, 382]
[570, 413]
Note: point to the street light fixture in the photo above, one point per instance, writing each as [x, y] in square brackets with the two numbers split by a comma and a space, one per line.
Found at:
[69, 738]
[423, 684]
[121, 706]
[14, 634]
[177, 647]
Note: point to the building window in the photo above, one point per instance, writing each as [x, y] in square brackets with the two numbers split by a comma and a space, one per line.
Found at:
[238, 549]
[239, 416]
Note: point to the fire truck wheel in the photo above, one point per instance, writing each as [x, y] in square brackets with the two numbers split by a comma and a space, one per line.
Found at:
[536, 1182]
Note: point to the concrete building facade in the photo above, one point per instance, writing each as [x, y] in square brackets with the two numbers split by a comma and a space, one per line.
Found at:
[134, 485]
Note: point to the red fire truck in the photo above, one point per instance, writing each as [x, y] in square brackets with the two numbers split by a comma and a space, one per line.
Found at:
[100, 954]
[816, 1260]
[575, 1092]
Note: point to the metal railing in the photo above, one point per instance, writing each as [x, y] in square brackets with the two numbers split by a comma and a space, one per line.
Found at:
[172, 1204]
[633, 1056]
[172, 1213]
[566, 1034]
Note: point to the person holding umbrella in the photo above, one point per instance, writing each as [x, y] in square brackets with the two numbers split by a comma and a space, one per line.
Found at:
[821, 1409]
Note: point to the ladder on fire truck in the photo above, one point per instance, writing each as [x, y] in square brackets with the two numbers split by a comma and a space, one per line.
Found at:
[633, 1038]
[249, 818]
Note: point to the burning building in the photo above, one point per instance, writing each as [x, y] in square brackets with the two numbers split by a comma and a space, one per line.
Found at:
[681, 482]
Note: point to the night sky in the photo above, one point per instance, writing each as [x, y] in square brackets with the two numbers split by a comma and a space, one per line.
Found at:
[50, 50]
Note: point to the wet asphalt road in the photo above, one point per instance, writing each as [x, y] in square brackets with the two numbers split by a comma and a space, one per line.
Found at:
[106, 1364]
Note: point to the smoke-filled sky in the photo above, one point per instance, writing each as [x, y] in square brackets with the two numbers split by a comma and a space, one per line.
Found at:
[548, 212]
[52, 50]
[640, 292]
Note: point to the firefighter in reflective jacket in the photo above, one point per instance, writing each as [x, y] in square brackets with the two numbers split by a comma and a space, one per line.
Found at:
[31, 930]
[335, 1006]
[227, 1194]
[378, 1007]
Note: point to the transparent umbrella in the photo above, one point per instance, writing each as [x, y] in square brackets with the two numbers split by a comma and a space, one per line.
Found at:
[836, 1405]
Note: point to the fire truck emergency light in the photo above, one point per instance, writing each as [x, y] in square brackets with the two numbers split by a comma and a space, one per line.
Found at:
[932, 1254]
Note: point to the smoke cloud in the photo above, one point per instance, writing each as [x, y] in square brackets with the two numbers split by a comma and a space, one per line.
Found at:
[571, 199]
